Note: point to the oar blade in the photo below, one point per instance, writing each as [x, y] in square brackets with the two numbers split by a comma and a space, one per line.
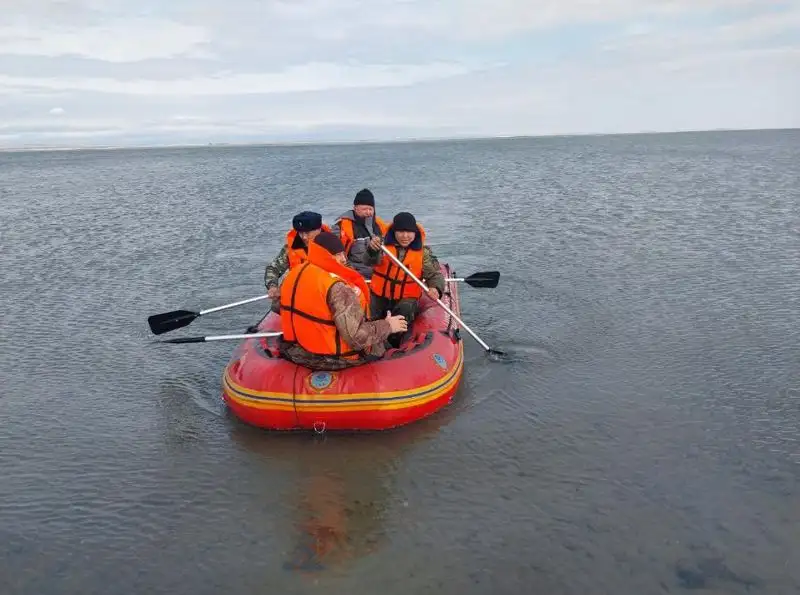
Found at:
[169, 321]
[486, 279]
[185, 340]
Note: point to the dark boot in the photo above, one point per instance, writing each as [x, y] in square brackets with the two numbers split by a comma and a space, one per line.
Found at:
[394, 340]
[406, 308]
[378, 306]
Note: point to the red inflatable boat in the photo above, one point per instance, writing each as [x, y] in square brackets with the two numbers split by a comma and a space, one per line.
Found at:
[407, 384]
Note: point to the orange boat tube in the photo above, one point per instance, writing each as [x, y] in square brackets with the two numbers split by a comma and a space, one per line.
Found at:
[407, 384]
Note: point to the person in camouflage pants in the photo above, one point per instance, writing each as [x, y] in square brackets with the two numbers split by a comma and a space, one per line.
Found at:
[344, 307]
[404, 236]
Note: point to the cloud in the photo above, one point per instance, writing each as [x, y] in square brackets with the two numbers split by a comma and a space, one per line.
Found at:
[272, 69]
[308, 77]
[123, 40]
[57, 111]
[773, 24]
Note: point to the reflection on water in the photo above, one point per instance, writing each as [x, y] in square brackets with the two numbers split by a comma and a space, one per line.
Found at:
[342, 488]
[338, 516]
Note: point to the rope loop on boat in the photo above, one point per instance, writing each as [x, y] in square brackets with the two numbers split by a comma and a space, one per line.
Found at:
[319, 427]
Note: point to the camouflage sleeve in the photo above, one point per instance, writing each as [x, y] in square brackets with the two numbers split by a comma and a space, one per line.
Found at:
[431, 273]
[355, 329]
[274, 270]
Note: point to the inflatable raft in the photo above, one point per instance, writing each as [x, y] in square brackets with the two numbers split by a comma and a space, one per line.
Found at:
[407, 384]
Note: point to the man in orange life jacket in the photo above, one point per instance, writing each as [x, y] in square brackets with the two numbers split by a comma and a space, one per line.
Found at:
[324, 307]
[391, 288]
[305, 226]
[360, 229]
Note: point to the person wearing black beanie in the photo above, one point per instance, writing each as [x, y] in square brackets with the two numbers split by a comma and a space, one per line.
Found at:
[330, 242]
[360, 228]
[392, 289]
[305, 226]
[364, 197]
[404, 222]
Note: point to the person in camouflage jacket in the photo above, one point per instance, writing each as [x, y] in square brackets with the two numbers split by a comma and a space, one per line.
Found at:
[431, 273]
[305, 226]
[359, 333]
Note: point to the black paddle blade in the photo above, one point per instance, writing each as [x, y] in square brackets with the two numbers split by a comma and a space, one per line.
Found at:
[484, 279]
[169, 321]
[185, 340]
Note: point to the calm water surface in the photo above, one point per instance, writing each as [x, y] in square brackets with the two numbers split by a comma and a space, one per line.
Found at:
[643, 436]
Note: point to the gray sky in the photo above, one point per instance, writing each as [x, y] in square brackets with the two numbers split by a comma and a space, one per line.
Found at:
[108, 72]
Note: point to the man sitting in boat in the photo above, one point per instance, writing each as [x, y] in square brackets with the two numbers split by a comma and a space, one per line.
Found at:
[391, 288]
[324, 306]
[360, 228]
[305, 227]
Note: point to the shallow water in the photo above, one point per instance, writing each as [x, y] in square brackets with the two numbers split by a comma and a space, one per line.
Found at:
[641, 436]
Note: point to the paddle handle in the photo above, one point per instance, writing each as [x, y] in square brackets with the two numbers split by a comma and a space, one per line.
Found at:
[448, 280]
[233, 305]
[368, 225]
[221, 337]
[440, 302]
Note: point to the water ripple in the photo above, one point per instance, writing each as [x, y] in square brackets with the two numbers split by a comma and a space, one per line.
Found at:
[640, 435]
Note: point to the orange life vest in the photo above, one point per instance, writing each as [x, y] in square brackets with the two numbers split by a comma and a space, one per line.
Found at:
[295, 249]
[392, 282]
[347, 232]
[306, 318]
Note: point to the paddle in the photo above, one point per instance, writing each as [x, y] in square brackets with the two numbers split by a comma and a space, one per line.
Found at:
[170, 321]
[483, 279]
[220, 338]
[488, 279]
[368, 221]
[438, 301]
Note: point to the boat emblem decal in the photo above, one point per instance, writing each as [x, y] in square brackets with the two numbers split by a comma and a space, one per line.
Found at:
[321, 380]
[440, 361]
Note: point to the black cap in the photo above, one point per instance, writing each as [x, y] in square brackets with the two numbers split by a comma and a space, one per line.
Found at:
[404, 222]
[330, 242]
[364, 197]
[307, 221]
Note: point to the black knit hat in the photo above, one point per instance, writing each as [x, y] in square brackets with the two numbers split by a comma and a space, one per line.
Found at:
[364, 197]
[307, 221]
[330, 242]
[404, 222]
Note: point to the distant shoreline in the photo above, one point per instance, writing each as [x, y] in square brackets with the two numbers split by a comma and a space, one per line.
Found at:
[312, 143]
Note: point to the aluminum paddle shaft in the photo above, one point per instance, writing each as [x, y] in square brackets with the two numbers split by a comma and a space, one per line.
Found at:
[438, 301]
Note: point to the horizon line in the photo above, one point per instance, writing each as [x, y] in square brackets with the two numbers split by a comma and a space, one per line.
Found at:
[398, 140]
